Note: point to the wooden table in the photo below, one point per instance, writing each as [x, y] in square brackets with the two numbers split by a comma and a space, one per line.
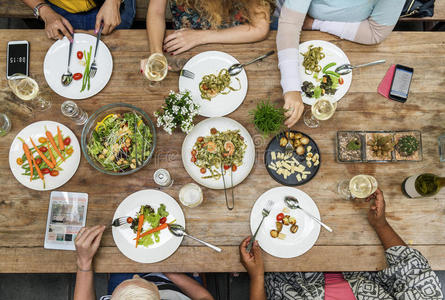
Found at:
[352, 246]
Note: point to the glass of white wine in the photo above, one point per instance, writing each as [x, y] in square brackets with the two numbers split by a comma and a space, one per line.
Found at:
[156, 69]
[27, 90]
[360, 186]
[323, 109]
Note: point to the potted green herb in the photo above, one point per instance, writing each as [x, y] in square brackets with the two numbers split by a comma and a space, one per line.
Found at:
[268, 119]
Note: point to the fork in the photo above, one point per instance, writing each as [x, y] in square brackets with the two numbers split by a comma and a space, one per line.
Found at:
[289, 148]
[265, 213]
[187, 74]
[119, 221]
[93, 67]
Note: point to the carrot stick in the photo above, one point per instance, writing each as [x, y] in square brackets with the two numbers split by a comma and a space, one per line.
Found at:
[38, 170]
[51, 154]
[28, 157]
[159, 228]
[53, 143]
[59, 134]
[50, 164]
[141, 221]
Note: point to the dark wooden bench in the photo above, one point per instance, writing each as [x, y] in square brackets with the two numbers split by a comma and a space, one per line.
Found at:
[16, 9]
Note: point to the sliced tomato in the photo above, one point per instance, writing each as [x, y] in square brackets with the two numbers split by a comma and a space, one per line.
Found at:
[38, 160]
[45, 171]
[67, 141]
[234, 168]
[77, 76]
[341, 80]
[162, 220]
[194, 152]
[79, 54]
[193, 159]
[203, 170]
[42, 140]
[226, 167]
[280, 217]
[54, 173]
[43, 149]
[129, 220]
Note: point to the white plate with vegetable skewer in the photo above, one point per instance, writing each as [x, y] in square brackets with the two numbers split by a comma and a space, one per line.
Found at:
[208, 173]
[56, 61]
[330, 54]
[65, 168]
[203, 66]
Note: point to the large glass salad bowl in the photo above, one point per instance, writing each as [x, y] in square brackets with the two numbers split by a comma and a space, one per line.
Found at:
[118, 139]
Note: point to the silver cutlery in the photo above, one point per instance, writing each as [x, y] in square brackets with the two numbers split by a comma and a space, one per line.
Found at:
[347, 68]
[119, 221]
[67, 77]
[289, 147]
[293, 203]
[93, 67]
[225, 187]
[265, 212]
[187, 74]
[178, 230]
[235, 69]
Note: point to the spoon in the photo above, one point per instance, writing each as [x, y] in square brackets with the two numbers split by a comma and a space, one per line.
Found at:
[235, 69]
[67, 77]
[292, 203]
[347, 68]
[178, 230]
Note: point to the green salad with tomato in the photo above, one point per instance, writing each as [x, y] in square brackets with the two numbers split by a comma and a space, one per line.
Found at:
[120, 142]
[152, 224]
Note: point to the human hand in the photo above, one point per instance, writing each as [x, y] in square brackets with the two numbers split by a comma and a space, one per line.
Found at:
[109, 15]
[294, 106]
[253, 260]
[376, 213]
[87, 242]
[182, 40]
[308, 21]
[56, 26]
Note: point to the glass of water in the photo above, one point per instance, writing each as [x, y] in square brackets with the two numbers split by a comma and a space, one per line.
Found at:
[5, 124]
[71, 110]
[442, 148]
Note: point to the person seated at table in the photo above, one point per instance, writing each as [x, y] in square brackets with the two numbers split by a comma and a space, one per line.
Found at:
[198, 22]
[361, 21]
[153, 286]
[408, 275]
[61, 17]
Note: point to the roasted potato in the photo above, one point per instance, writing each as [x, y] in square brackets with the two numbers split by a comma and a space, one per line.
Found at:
[279, 226]
[304, 140]
[294, 228]
[297, 143]
[300, 150]
[287, 134]
[285, 220]
[283, 142]
[291, 135]
[298, 135]
[274, 233]
[292, 220]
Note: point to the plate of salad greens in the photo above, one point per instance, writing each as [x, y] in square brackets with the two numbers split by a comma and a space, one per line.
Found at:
[146, 237]
[44, 155]
[317, 64]
[82, 86]
[118, 139]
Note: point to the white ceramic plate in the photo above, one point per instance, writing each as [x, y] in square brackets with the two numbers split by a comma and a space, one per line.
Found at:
[124, 237]
[211, 62]
[203, 129]
[56, 61]
[34, 131]
[333, 54]
[295, 244]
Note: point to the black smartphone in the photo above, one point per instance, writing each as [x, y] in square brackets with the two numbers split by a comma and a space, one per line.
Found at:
[401, 83]
[18, 57]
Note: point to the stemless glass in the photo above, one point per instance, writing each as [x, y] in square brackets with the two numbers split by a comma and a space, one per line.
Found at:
[156, 69]
[360, 186]
[27, 90]
[5, 124]
[323, 109]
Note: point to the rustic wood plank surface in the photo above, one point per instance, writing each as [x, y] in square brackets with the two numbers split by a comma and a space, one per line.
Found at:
[352, 246]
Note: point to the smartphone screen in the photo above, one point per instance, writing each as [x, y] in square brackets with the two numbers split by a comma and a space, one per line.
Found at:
[17, 58]
[401, 82]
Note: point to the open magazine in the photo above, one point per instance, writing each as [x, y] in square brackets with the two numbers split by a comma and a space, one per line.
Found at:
[67, 214]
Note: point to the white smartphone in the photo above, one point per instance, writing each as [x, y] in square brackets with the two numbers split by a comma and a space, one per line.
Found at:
[18, 58]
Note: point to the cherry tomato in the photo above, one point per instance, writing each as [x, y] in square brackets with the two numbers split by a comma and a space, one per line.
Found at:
[193, 159]
[340, 80]
[200, 139]
[54, 173]
[226, 167]
[77, 76]
[234, 168]
[69, 151]
[129, 220]
[79, 54]
[280, 217]
[43, 149]
[45, 171]
[162, 220]
[213, 131]
[42, 140]
[19, 161]
[38, 160]
[194, 152]
[125, 148]
[67, 141]
[203, 170]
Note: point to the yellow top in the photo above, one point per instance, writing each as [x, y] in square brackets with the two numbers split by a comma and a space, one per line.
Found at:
[74, 6]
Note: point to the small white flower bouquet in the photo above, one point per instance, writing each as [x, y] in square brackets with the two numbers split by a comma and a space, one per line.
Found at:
[178, 110]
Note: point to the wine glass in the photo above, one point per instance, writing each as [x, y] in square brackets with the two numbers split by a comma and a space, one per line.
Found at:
[360, 186]
[323, 109]
[27, 90]
[156, 69]
[5, 124]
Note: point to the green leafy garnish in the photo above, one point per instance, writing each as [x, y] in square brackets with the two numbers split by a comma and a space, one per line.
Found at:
[268, 118]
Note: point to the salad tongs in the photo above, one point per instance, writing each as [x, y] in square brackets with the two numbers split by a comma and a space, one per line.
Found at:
[225, 188]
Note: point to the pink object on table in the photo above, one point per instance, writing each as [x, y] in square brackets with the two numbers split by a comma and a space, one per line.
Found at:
[337, 288]
[385, 85]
